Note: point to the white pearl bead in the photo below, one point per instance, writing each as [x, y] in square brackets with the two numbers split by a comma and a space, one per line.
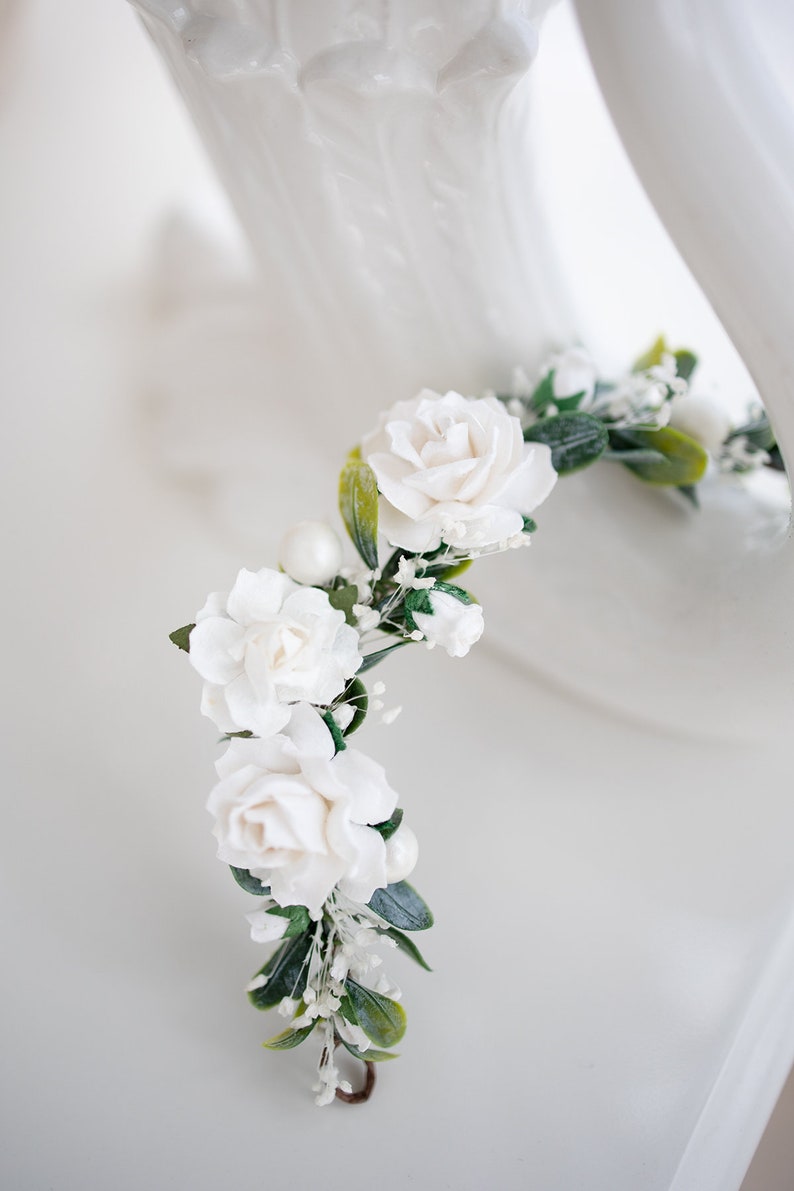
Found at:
[311, 553]
[702, 419]
[402, 853]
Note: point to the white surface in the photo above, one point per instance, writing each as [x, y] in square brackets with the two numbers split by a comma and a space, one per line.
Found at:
[634, 906]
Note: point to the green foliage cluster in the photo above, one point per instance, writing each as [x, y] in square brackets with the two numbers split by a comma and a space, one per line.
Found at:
[578, 438]
[398, 907]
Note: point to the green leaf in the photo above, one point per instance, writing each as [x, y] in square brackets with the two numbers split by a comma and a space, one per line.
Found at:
[347, 1010]
[299, 920]
[358, 504]
[181, 637]
[369, 1056]
[248, 883]
[457, 568]
[417, 601]
[288, 1039]
[387, 828]
[372, 659]
[690, 493]
[336, 732]
[543, 395]
[530, 526]
[758, 433]
[566, 405]
[343, 598]
[576, 439]
[776, 459]
[407, 945]
[652, 357]
[382, 1019]
[684, 462]
[400, 905]
[685, 363]
[356, 695]
[287, 972]
[452, 589]
[633, 455]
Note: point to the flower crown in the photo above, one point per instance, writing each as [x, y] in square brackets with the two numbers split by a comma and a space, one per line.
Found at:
[310, 825]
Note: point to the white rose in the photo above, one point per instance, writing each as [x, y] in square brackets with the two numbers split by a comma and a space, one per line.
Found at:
[266, 644]
[453, 623]
[574, 373]
[455, 469]
[299, 818]
[702, 420]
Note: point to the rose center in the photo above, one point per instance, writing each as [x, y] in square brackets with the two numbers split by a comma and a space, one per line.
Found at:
[280, 643]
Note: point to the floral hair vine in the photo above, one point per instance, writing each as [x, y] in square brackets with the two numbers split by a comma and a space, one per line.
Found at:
[310, 825]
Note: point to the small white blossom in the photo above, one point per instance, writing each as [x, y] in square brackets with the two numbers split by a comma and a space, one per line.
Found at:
[328, 1078]
[415, 635]
[340, 966]
[406, 571]
[368, 618]
[267, 927]
[287, 1006]
[258, 982]
[454, 532]
[454, 469]
[666, 373]
[379, 688]
[352, 1034]
[384, 985]
[738, 454]
[390, 716]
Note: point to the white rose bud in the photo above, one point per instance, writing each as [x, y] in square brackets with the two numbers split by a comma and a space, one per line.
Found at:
[311, 553]
[454, 621]
[574, 373]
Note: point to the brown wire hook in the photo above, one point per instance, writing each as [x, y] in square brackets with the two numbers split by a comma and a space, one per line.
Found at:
[363, 1094]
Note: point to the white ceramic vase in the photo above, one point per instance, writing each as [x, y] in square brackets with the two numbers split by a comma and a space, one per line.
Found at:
[376, 155]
